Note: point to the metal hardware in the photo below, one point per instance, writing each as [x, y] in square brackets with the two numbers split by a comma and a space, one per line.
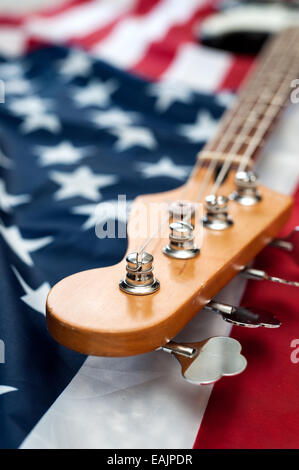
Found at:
[259, 275]
[290, 244]
[181, 241]
[206, 361]
[182, 211]
[217, 217]
[181, 349]
[242, 316]
[247, 193]
[139, 278]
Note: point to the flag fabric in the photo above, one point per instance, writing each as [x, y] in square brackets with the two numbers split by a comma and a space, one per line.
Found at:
[102, 98]
[153, 38]
[263, 406]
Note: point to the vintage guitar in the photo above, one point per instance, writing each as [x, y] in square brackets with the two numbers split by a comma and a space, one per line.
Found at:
[178, 258]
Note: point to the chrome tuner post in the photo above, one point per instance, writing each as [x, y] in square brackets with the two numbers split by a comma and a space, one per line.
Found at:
[242, 316]
[182, 211]
[139, 278]
[217, 217]
[205, 362]
[181, 241]
[290, 244]
[246, 193]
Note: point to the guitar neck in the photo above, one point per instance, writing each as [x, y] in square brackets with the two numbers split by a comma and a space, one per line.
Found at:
[245, 127]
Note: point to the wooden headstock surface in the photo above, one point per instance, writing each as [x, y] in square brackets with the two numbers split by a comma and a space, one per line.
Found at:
[87, 311]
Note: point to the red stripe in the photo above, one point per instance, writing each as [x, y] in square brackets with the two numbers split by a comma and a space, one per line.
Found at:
[160, 54]
[87, 41]
[237, 72]
[260, 408]
[96, 36]
[18, 20]
[11, 20]
[34, 43]
[58, 9]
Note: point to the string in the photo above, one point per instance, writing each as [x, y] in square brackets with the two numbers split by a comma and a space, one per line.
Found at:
[250, 124]
[232, 123]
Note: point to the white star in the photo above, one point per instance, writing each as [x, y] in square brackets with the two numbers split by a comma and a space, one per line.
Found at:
[49, 122]
[81, 182]
[131, 136]
[7, 389]
[29, 105]
[225, 98]
[203, 128]
[113, 117]
[64, 153]
[96, 93]
[20, 246]
[36, 299]
[18, 86]
[11, 70]
[4, 161]
[164, 167]
[76, 64]
[100, 213]
[8, 201]
[168, 93]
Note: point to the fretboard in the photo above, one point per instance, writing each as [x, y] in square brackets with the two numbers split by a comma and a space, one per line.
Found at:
[265, 92]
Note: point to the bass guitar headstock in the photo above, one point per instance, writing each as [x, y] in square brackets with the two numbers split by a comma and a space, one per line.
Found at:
[92, 313]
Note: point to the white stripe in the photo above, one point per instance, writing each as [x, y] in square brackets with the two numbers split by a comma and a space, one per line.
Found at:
[78, 21]
[127, 44]
[12, 41]
[203, 69]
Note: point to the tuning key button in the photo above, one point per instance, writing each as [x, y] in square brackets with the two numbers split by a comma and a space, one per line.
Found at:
[139, 279]
[217, 217]
[241, 316]
[290, 244]
[246, 193]
[181, 241]
[205, 362]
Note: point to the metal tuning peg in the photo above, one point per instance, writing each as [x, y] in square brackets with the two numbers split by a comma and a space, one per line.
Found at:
[139, 279]
[242, 316]
[206, 361]
[181, 241]
[290, 244]
[217, 217]
[259, 275]
[246, 193]
[182, 211]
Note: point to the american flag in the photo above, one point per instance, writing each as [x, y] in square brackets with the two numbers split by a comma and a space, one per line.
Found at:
[106, 98]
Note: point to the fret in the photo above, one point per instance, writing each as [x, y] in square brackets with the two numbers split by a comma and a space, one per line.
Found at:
[262, 98]
[206, 157]
[264, 94]
[243, 142]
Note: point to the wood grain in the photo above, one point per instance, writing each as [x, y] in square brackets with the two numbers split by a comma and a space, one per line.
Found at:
[87, 311]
